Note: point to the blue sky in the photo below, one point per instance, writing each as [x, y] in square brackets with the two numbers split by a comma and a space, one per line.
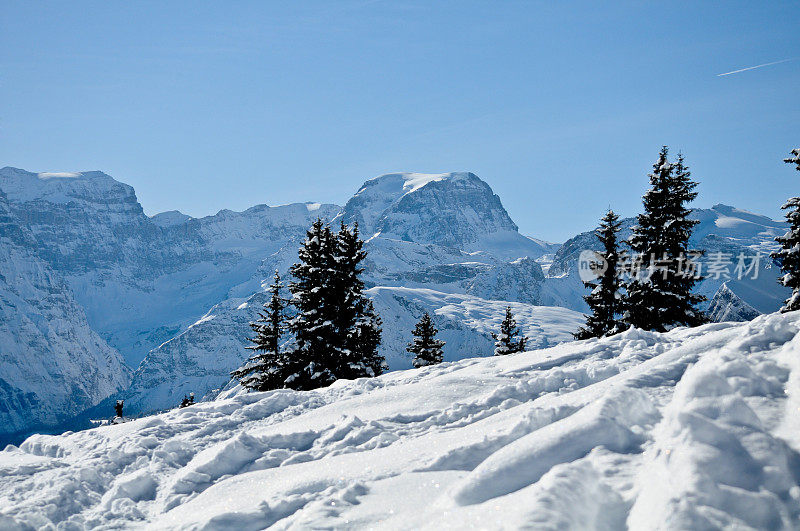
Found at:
[560, 107]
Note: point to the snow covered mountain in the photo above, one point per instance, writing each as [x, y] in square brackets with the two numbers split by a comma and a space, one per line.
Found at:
[452, 210]
[82, 260]
[175, 294]
[692, 429]
[52, 364]
[143, 280]
[439, 243]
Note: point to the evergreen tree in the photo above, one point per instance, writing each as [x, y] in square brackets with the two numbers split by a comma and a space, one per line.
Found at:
[426, 348]
[265, 369]
[357, 324]
[604, 300]
[118, 407]
[506, 342]
[659, 294]
[364, 339]
[336, 328]
[313, 361]
[789, 255]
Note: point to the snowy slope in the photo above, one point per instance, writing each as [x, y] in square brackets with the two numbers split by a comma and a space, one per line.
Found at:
[692, 429]
[200, 359]
[52, 365]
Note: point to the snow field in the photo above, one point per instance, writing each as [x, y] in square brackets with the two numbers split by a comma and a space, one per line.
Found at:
[696, 428]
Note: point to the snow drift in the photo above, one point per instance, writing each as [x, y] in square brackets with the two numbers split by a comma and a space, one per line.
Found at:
[695, 428]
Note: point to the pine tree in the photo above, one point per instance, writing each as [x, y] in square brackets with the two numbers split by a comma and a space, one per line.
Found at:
[336, 328]
[364, 339]
[659, 294]
[506, 342]
[265, 370]
[313, 360]
[604, 300]
[358, 326]
[789, 255]
[426, 348]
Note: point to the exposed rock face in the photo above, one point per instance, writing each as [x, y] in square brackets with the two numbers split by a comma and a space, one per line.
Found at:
[727, 306]
[52, 365]
[142, 280]
[79, 252]
[449, 209]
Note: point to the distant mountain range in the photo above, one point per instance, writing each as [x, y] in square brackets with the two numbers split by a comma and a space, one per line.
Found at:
[104, 301]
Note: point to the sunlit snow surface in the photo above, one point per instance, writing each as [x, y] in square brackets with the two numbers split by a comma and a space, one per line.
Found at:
[693, 429]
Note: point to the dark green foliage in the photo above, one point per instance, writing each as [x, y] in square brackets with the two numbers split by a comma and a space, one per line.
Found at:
[356, 321]
[314, 358]
[336, 329]
[265, 369]
[659, 294]
[604, 300]
[789, 254]
[508, 341]
[426, 348]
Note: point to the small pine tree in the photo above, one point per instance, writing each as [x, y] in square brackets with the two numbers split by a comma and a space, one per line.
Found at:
[789, 255]
[506, 342]
[604, 300]
[118, 407]
[426, 348]
[363, 341]
[659, 295]
[265, 369]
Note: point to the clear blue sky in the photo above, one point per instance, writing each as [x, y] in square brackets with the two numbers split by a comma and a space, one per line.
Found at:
[560, 108]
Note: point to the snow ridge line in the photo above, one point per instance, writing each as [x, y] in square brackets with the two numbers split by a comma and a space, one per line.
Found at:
[575, 435]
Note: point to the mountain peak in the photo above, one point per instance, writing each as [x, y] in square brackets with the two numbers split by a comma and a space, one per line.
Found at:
[413, 181]
[170, 218]
[65, 187]
[451, 209]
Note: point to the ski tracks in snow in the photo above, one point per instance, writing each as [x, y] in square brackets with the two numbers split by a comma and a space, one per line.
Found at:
[696, 428]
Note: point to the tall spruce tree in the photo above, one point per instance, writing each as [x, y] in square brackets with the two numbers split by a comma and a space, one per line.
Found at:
[509, 340]
[659, 294]
[313, 361]
[426, 348]
[789, 254]
[604, 300]
[357, 324]
[336, 329]
[265, 370]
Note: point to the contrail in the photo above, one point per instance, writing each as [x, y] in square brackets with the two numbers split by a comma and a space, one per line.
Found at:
[754, 67]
